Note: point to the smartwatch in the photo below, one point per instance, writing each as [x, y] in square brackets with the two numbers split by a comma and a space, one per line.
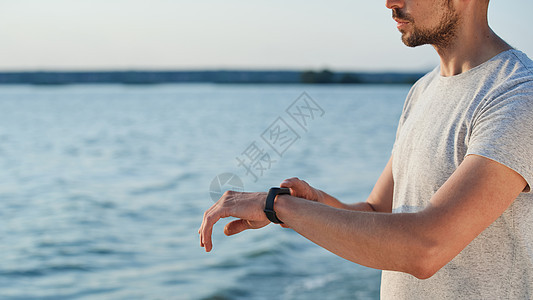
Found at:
[269, 203]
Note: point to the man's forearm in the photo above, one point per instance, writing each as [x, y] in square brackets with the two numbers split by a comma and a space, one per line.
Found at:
[334, 202]
[379, 200]
[377, 240]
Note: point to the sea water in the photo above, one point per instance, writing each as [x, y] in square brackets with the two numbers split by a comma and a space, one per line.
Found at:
[103, 187]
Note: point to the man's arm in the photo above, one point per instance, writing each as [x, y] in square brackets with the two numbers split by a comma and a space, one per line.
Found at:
[380, 199]
[476, 194]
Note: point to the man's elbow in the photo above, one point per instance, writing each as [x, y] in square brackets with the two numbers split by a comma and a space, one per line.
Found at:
[427, 261]
[424, 272]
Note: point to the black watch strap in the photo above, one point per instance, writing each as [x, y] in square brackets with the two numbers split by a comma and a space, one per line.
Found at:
[269, 203]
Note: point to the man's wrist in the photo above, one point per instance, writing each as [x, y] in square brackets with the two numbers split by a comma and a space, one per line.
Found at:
[280, 203]
[270, 203]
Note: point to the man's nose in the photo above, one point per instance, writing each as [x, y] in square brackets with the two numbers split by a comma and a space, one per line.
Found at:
[391, 4]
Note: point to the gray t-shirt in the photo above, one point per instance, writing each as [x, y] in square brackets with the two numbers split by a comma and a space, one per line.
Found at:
[486, 111]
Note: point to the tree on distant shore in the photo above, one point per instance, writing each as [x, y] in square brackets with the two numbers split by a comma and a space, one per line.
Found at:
[348, 78]
[324, 76]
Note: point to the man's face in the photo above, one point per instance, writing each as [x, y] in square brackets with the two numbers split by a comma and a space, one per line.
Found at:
[426, 22]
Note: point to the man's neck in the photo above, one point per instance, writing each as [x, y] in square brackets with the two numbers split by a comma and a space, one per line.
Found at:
[469, 49]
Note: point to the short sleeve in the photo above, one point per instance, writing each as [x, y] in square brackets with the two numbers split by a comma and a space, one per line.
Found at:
[502, 130]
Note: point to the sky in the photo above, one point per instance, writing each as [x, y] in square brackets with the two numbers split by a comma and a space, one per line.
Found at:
[232, 34]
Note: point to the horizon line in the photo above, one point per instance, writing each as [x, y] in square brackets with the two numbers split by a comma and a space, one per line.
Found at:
[165, 70]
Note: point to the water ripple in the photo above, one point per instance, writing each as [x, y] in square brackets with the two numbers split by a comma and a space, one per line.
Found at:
[103, 189]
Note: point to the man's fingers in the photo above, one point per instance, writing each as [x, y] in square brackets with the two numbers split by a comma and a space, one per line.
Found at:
[285, 184]
[207, 222]
[288, 183]
[298, 187]
[292, 184]
[236, 226]
[206, 239]
[210, 218]
[240, 205]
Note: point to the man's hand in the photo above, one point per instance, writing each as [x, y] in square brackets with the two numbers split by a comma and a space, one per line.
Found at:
[301, 189]
[248, 207]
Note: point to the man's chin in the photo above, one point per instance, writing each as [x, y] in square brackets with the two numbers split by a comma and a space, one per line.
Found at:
[410, 42]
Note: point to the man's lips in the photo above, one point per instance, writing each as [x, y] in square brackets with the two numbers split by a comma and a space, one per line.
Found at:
[401, 23]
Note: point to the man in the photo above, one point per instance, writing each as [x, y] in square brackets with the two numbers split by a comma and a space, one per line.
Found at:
[451, 215]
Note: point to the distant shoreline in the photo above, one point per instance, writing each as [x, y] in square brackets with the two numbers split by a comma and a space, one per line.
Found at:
[206, 76]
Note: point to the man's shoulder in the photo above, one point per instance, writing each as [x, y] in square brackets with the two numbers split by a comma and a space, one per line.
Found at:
[511, 71]
[511, 65]
[522, 61]
[506, 74]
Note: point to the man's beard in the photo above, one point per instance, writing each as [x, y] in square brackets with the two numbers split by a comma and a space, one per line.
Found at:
[439, 36]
